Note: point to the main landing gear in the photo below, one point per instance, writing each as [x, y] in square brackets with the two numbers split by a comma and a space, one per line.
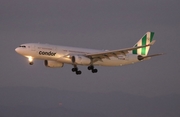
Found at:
[92, 69]
[78, 72]
[75, 69]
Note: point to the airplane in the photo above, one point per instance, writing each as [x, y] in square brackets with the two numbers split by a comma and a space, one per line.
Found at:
[55, 56]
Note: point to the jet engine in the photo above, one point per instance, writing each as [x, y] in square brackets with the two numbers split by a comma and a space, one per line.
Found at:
[53, 64]
[82, 60]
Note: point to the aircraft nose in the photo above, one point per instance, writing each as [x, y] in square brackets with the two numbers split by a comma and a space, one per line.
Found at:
[17, 50]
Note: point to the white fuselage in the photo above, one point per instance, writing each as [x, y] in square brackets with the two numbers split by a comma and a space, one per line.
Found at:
[61, 54]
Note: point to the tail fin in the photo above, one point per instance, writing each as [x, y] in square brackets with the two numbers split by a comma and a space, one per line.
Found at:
[145, 40]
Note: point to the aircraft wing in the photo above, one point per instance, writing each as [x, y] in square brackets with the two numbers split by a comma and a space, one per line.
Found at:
[115, 53]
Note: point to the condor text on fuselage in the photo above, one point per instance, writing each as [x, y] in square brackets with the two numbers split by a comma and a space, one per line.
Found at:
[47, 53]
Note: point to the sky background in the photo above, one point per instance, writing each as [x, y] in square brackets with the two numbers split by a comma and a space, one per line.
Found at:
[97, 24]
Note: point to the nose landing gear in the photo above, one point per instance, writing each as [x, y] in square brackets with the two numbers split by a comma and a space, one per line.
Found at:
[30, 59]
[31, 63]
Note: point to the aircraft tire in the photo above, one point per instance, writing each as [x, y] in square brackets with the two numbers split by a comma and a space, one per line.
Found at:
[94, 71]
[78, 72]
[90, 67]
[74, 69]
[31, 63]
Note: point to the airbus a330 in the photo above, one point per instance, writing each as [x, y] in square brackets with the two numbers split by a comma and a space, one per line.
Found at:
[55, 56]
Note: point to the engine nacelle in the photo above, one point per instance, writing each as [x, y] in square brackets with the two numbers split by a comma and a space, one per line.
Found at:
[81, 60]
[53, 64]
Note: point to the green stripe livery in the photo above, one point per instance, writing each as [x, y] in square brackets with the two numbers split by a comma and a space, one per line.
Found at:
[135, 51]
[143, 51]
[145, 40]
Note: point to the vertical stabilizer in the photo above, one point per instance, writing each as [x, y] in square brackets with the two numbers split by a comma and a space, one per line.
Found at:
[145, 40]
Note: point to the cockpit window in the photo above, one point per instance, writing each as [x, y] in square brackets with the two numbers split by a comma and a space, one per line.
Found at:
[22, 46]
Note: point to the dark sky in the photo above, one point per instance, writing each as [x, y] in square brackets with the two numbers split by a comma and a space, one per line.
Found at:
[98, 24]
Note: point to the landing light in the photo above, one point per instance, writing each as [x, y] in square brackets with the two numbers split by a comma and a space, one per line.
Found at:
[30, 59]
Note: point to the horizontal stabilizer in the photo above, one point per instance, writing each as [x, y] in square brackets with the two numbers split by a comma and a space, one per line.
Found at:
[153, 55]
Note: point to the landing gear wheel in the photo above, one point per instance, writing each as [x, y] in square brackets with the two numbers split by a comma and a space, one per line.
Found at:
[94, 71]
[31, 63]
[74, 69]
[90, 67]
[78, 72]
